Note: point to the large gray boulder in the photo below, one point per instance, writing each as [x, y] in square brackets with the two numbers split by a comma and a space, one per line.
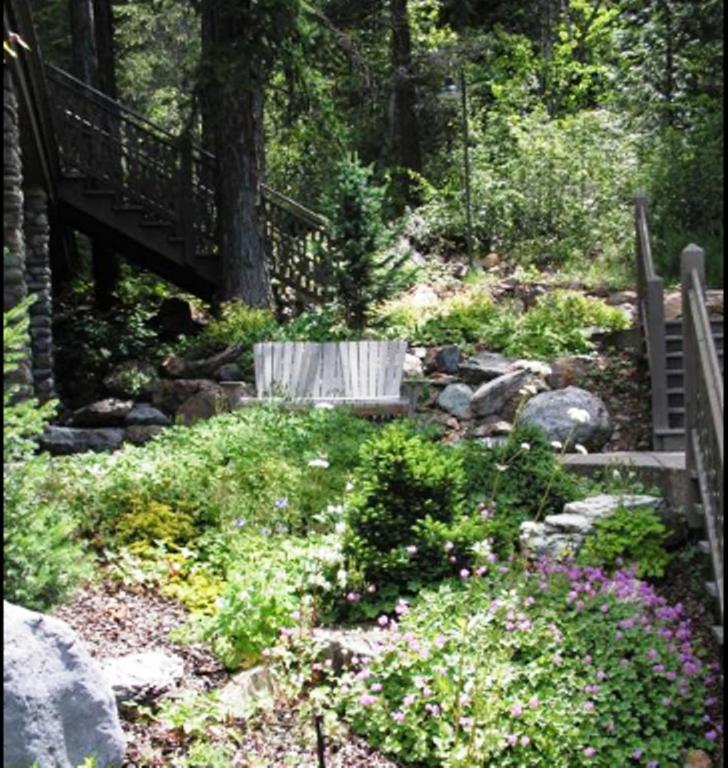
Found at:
[483, 367]
[558, 413]
[57, 707]
[492, 396]
[138, 676]
[455, 399]
[62, 441]
[145, 415]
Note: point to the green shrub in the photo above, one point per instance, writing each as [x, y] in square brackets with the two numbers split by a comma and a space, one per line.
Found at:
[407, 493]
[629, 536]
[42, 558]
[362, 274]
[236, 324]
[150, 521]
[251, 465]
[533, 669]
[270, 580]
[521, 477]
[556, 324]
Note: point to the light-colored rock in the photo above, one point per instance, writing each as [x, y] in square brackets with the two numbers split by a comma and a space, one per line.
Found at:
[483, 367]
[492, 442]
[537, 542]
[247, 691]
[137, 676]
[57, 707]
[491, 260]
[552, 412]
[62, 441]
[412, 365]
[536, 367]
[595, 507]
[490, 397]
[110, 412]
[145, 415]
[422, 296]
[455, 399]
[569, 523]
[349, 646]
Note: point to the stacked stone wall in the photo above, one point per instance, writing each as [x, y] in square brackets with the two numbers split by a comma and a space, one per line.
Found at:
[26, 259]
[38, 278]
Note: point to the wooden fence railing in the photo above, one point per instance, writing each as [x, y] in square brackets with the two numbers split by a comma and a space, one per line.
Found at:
[175, 181]
[703, 408]
[651, 309]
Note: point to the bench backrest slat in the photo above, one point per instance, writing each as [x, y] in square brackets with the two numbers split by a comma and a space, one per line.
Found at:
[364, 370]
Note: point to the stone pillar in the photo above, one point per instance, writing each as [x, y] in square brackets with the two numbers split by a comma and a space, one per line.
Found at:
[38, 278]
[15, 287]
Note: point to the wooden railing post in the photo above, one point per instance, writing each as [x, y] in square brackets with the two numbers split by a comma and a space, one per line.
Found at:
[186, 212]
[691, 258]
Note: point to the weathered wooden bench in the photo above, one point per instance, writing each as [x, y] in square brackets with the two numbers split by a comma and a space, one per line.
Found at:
[363, 375]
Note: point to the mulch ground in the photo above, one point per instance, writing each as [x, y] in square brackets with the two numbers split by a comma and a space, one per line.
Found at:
[115, 619]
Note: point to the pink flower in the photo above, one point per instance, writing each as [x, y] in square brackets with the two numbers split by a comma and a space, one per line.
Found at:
[525, 741]
[397, 716]
[366, 699]
[590, 752]
[588, 706]
[533, 703]
[375, 687]
[466, 722]
[401, 608]
[637, 754]
[464, 573]
[449, 546]
[353, 597]
[512, 739]
[382, 621]
[409, 700]
[516, 710]
[557, 659]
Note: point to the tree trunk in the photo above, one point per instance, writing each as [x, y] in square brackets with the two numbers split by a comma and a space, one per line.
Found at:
[234, 94]
[406, 127]
[92, 40]
[84, 57]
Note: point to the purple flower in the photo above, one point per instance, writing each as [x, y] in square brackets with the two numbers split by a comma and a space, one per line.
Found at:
[281, 502]
[637, 754]
[711, 735]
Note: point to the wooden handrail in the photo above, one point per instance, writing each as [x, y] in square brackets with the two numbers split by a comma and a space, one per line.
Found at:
[174, 178]
[651, 310]
[703, 408]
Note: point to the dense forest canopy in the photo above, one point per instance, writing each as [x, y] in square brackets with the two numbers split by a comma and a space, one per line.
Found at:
[572, 106]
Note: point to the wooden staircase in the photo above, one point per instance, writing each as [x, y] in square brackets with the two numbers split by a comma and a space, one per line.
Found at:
[672, 437]
[150, 196]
